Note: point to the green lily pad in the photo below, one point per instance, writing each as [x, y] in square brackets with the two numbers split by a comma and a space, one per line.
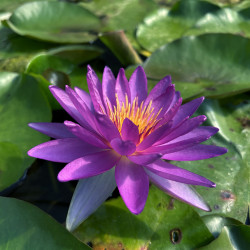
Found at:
[215, 65]
[187, 18]
[12, 44]
[164, 26]
[11, 160]
[77, 53]
[53, 69]
[164, 224]
[71, 23]
[24, 226]
[233, 237]
[121, 15]
[58, 71]
[7, 5]
[21, 102]
[215, 223]
[230, 172]
[16, 50]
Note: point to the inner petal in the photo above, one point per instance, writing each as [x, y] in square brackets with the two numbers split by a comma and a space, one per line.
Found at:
[143, 116]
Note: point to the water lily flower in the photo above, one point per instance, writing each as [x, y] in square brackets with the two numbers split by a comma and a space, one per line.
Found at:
[121, 136]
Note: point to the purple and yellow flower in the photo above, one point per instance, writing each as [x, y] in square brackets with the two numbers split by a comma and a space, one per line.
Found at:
[119, 125]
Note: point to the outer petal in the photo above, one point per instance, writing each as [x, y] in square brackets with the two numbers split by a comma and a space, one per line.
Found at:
[184, 128]
[123, 147]
[176, 146]
[88, 116]
[171, 172]
[187, 110]
[133, 184]
[122, 87]
[54, 130]
[129, 131]
[179, 191]
[158, 89]
[190, 139]
[89, 194]
[88, 166]
[85, 135]
[203, 131]
[85, 97]
[144, 159]
[62, 150]
[95, 90]
[194, 153]
[138, 85]
[64, 100]
[108, 87]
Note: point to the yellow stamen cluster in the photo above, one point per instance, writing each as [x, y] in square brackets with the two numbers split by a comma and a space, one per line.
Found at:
[141, 115]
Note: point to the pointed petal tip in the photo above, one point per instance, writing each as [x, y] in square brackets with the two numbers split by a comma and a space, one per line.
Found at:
[62, 177]
[136, 211]
[89, 68]
[121, 71]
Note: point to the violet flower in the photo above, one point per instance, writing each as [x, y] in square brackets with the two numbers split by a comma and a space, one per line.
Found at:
[125, 132]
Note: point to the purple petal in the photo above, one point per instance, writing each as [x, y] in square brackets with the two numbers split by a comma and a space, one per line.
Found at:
[170, 113]
[108, 87]
[154, 137]
[95, 90]
[64, 100]
[133, 185]
[179, 191]
[138, 85]
[158, 89]
[54, 130]
[204, 131]
[85, 97]
[171, 172]
[190, 139]
[130, 131]
[184, 128]
[187, 110]
[163, 101]
[123, 147]
[89, 194]
[87, 116]
[121, 87]
[177, 96]
[194, 153]
[106, 127]
[62, 150]
[85, 135]
[89, 165]
[144, 159]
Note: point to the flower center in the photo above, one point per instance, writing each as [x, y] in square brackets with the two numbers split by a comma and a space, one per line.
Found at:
[141, 115]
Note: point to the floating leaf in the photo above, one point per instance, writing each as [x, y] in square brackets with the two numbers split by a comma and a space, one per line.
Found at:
[7, 5]
[21, 102]
[233, 237]
[77, 53]
[24, 226]
[11, 161]
[231, 171]
[215, 223]
[163, 224]
[214, 65]
[71, 23]
[121, 15]
[187, 18]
